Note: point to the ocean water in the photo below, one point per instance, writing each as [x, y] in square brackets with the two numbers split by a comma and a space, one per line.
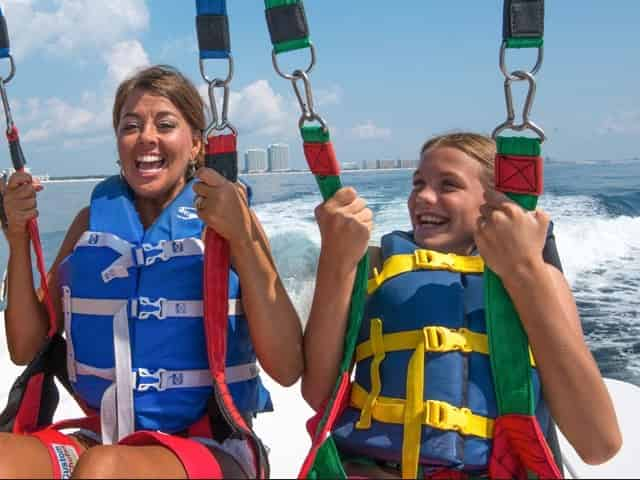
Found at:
[595, 207]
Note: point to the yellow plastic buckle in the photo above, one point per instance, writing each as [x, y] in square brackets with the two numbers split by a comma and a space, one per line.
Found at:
[429, 259]
[443, 416]
[442, 339]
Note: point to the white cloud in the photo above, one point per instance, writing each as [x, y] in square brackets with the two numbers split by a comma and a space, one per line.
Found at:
[369, 131]
[627, 122]
[124, 58]
[65, 27]
[257, 109]
[328, 96]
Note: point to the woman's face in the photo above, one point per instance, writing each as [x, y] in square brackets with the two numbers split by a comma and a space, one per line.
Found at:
[155, 145]
[448, 189]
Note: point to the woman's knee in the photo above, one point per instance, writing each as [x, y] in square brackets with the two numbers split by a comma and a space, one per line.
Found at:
[23, 456]
[99, 462]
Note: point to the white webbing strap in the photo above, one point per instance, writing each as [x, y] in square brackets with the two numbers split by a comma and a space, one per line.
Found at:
[132, 256]
[117, 402]
[169, 379]
[66, 311]
[172, 248]
[145, 307]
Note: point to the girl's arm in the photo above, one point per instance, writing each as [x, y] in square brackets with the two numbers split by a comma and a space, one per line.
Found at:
[274, 325]
[511, 242]
[345, 225]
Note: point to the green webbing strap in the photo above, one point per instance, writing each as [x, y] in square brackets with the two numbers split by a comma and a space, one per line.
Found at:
[508, 342]
[288, 26]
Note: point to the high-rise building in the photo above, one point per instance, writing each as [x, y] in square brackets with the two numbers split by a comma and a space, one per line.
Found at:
[256, 160]
[278, 157]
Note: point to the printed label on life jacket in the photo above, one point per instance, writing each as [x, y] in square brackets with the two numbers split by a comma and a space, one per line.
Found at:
[67, 457]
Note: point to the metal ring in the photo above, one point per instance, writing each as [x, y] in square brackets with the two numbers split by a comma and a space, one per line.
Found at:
[503, 66]
[5, 105]
[274, 60]
[12, 70]
[229, 71]
[310, 118]
[526, 124]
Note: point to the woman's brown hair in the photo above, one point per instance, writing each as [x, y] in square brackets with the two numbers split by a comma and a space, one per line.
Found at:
[167, 82]
[480, 147]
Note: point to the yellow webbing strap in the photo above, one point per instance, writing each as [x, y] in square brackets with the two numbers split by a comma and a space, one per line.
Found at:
[434, 338]
[413, 414]
[436, 414]
[377, 347]
[424, 260]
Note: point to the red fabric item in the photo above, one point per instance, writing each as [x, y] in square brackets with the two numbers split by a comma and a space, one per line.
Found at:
[519, 174]
[337, 407]
[448, 475]
[26, 420]
[221, 144]
[37, 248]
[321, 158]
[63, 451]
[519, 445]
[197, 460]
[202, 428]
[216, 303]
[12, 135]
[89, 423]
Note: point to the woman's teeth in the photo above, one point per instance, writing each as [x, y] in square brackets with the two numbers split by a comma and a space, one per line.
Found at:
[149, 163]
[431, 220]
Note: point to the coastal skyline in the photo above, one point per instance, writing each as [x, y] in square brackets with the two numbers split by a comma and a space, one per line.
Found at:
[435, 69]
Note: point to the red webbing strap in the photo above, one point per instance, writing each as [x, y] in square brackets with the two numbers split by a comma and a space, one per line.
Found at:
[63, 451]
[26, 420]
[519, 174]
[321, 158]
[519, 445]
[217, 262]
[198, 461]
[336, 409]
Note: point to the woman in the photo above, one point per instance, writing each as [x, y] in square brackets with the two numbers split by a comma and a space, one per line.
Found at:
[136, 252]
[453, 209]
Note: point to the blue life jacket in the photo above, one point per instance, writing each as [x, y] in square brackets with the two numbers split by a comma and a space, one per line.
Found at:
[419, 300]
[156, 275]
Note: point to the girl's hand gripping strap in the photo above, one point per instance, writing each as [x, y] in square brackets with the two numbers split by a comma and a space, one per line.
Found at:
[519, 445]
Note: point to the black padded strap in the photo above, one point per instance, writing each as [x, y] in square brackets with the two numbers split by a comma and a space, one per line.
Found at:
[287, 23]
[213, 33]
[226, 164]
[523, 19]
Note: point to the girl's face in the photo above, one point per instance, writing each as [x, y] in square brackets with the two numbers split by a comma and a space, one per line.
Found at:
[444, 204]
[155, 145]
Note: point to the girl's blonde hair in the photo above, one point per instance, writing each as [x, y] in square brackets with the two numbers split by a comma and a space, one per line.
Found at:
[480, 147]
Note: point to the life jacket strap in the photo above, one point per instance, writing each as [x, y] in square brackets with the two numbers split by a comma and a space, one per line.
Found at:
[161, 379]
[145, 307]
[435, 414]
[136, 256]
[423, 260]
[436, 339]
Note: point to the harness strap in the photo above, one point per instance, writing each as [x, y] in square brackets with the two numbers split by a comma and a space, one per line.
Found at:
[170, 379]
[424, 260]
[436, 339]
[433, 413]
[63, 451]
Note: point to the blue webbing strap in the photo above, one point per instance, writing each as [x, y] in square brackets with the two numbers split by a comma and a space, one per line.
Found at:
[212, 25]
[4, 36]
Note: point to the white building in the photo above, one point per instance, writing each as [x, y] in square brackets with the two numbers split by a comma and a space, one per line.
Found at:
[278, 157]
[255, 160]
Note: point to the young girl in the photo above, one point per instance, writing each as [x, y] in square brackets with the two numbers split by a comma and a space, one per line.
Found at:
[453, 209]
[127, 286]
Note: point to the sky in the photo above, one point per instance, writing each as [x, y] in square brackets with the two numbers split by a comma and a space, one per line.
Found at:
[388, 76]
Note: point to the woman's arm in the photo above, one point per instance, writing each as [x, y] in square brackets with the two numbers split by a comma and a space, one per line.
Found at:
[274, 325]
[511, 242]
[26, 319]
[345, 225]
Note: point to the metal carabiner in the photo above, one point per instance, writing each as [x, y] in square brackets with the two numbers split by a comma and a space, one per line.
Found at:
[526, 124]
[5, 98]
[306, 103]
[312, 63]
[503, 66]
[230, 70]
